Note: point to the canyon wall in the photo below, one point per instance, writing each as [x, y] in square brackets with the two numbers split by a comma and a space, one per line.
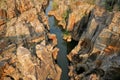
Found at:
[27, 49]
[95, 25]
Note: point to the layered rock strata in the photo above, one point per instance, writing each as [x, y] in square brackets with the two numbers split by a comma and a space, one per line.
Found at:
[98, 49]
[95, 24]
[27, 49]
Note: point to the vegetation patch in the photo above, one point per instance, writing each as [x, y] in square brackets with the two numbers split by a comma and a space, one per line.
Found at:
[90, 1]
[66, 32]
[67, 36]
[111, 5]
[55, 6]
[65, 15]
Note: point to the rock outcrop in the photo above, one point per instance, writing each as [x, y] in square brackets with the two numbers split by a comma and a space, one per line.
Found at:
[27, 50]
[3, 16]
[95, 24]
[72, 16]
[98, 48]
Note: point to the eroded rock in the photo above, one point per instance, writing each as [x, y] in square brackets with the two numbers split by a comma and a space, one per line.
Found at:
[3, 16]
[97, 46]
[27, 66]
[27, 50]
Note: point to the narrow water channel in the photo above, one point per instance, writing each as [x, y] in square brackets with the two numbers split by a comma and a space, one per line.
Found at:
[62, 45]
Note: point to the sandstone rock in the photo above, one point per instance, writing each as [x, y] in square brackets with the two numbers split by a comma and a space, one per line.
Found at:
[24, 29]
[28, 15]
[2, 30]
[3, 44]
[81, 13]
[6, 69]
[2, 64]
[74, 51]
[27, 66]
[3, 16]
[11, 9]
[67, 37]
[99, 11]
[62, 23]
[94, 77]
[27, 25]
[17, 32]
[115, 26]
[23, 5]
[28, 29]
[44, 19]
[80, 10]
[57, 16]
[104, 37]
[53, 38]
[3, 5]
[45, 55]
[59, 13]
[40, 51]
[38, 39]
[39, 28]
[55, 53]
[58, 76]
[71, 22]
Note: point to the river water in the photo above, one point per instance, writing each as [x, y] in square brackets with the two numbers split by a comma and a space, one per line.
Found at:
[64, 47]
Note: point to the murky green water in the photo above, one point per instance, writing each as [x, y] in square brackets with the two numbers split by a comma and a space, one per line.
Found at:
[63, 46]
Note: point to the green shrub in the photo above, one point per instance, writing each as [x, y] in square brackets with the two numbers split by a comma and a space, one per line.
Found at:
[109, 5]
[65, 32]
[54, 6]
[109, 8]
[112, 4]
[65, 15]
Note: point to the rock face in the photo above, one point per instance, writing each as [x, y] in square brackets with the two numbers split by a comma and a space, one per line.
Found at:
[72, 15]
[59, 11]
[95, 24]
[98, 48]
[27, 66]
[3, 16]
[27, 49]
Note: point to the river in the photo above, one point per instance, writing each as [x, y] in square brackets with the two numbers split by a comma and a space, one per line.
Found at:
[64, 47]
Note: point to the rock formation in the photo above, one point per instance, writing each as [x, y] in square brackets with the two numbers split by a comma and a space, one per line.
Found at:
[98, 46]
[95, 24]
[27, 49]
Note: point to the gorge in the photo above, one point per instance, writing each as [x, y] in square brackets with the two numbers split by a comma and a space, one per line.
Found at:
[59, 39]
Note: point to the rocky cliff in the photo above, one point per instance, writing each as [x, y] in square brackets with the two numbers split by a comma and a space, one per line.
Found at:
[27, 49]
[95, 24]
